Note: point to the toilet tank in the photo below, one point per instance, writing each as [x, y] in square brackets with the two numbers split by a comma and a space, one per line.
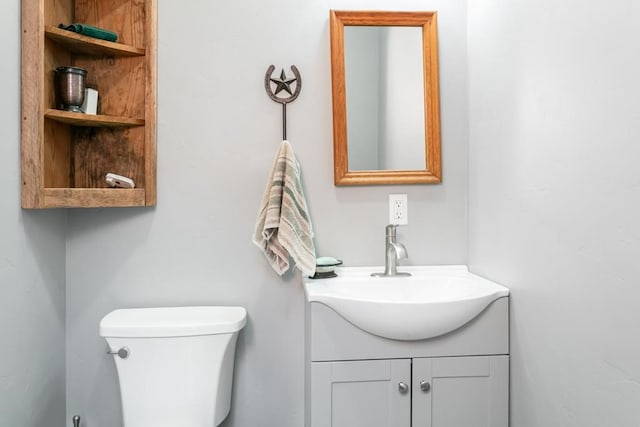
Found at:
[179, 367]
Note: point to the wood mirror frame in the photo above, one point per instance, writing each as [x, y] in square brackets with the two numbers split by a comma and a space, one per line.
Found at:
[427, 20]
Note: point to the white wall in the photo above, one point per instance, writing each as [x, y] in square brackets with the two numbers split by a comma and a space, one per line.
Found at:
[218, 134]
[32, 262]
[554, 200]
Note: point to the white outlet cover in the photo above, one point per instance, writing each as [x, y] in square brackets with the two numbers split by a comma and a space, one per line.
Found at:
[398, 209]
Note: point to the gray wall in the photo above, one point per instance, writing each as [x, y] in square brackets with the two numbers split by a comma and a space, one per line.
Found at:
[554, 200]
[32, 263]
[218, 134]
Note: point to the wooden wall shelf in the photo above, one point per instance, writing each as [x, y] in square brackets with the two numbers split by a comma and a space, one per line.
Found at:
[77, 43]
[66, 155]
[94, 197]
[89, 120]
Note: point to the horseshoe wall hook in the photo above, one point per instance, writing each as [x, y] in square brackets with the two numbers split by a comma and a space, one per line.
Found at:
[283, 83]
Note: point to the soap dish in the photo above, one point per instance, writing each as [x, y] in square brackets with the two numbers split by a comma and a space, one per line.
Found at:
[325, 267]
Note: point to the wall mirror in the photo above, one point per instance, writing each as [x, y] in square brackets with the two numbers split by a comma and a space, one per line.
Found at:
[386, 106]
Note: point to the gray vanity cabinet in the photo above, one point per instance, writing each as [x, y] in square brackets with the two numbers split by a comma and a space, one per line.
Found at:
[420, 392]
[460, 379]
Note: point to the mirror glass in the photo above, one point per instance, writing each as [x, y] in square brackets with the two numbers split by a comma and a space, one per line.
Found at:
[386, 112]
[385, 105]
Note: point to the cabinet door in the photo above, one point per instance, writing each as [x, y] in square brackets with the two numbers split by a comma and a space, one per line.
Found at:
[461, 392]
[365, 393]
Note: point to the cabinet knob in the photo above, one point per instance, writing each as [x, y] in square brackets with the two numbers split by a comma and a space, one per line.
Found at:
[425, 386]
[403, 387]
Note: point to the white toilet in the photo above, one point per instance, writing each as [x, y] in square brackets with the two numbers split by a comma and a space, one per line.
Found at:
[175, 365]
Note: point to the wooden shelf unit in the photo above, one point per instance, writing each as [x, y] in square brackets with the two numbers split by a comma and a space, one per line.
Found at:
[66, 155]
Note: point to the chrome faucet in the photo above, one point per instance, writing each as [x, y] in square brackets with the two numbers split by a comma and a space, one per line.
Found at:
[394, 251]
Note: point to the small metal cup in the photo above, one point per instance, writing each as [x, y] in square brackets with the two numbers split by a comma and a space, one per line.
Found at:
[71, 85]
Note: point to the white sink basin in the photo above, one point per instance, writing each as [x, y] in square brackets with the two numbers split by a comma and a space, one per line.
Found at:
[432, 302]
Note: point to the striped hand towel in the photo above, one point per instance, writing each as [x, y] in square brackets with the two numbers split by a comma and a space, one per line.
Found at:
[283, 228]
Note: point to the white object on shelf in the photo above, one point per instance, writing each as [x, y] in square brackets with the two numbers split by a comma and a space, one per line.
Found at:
[119, 181]
[90, 104]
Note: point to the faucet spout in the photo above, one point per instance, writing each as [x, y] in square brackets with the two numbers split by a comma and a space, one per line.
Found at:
[394, 251]
[398, 249]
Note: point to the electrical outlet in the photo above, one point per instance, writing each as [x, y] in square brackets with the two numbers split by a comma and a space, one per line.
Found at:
[398, 209]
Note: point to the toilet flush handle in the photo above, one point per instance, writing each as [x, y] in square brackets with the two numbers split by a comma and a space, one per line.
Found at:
[123, 353]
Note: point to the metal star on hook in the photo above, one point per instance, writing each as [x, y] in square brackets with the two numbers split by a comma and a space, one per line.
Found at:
[283, 83]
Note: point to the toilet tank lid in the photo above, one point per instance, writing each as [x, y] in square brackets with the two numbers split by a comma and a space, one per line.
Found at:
[172, 321]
